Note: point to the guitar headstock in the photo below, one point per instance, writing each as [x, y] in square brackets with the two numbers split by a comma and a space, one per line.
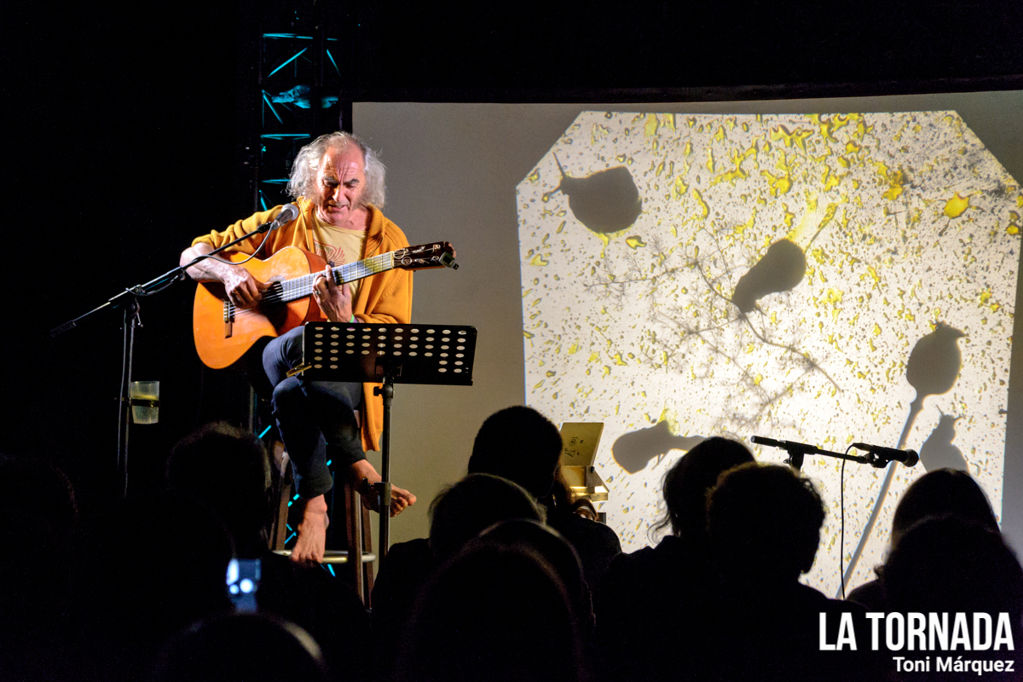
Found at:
[433, 255]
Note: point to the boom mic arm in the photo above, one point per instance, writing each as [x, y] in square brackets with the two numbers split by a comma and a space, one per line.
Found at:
[796, 450]
[799, 450]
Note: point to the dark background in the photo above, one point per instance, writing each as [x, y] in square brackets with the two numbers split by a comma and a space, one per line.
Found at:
[129, 131]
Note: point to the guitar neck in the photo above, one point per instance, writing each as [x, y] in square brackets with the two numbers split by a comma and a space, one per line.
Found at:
[300, 287]
[349, 272]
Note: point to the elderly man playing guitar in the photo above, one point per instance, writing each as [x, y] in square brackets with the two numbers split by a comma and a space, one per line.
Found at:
[338, 183]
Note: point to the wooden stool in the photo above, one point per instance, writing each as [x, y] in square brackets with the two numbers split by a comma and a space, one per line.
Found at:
[355, 561]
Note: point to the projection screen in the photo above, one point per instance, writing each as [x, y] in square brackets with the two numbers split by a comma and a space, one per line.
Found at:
[822, 271]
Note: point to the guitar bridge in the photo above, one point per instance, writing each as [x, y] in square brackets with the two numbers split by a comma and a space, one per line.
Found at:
[228, 319]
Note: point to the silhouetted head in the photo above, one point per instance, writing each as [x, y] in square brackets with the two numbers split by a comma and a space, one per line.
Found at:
[228, 470]
[764, 523]
[952, 564]
[154, 565]
[520, 444]
[38, 519]
[37, 505]
[493, 612]
[241, 646]
[688, 482]
[553, 548]
[467, 508]
[943, 491]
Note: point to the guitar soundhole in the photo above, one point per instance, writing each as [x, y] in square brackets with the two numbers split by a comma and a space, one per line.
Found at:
[277, 314]
[273, 307]
[274, 295]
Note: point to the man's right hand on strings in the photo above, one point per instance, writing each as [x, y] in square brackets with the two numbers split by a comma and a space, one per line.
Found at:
[240, 286]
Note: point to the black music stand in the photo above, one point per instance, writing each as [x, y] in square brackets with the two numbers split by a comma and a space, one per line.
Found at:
[388, 354]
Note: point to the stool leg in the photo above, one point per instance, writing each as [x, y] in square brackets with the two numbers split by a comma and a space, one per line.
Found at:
[284, 485]
[353, 519]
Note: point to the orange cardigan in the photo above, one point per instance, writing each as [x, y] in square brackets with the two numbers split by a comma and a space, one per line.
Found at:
[384, 298]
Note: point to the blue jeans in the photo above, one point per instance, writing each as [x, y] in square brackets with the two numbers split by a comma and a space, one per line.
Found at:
[315, 419]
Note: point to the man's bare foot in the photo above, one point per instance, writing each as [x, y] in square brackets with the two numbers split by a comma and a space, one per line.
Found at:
[312, 531]
[368, 482]
[400, 498]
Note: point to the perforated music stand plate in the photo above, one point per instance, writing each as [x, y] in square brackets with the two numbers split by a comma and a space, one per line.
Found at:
[409, 353]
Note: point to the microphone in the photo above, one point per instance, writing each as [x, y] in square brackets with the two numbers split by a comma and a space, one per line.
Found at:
[885, 455]
[287, 213]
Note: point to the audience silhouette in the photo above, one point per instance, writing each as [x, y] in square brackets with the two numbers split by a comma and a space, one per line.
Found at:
[38, 516]
[764, 524]
[144, 571]
[457, 515]
[241, 646]
[939, 492]
[516, 445]
[548, 544]
[493, 612]
[505, 588]
[520, 444]
[954, 565]
[228, 470]
[643, 595]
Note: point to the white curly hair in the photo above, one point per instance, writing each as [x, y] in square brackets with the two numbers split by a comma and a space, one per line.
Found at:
[307, 163]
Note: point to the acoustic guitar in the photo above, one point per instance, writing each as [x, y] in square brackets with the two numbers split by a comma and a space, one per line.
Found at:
[224, 332]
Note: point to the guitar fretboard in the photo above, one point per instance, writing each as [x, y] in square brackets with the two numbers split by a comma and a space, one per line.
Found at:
[349, 272]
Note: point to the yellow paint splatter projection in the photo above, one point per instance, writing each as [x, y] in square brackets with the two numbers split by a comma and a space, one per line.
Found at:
[780, 276]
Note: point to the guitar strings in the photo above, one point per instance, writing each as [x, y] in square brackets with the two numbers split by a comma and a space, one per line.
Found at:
[300, 287]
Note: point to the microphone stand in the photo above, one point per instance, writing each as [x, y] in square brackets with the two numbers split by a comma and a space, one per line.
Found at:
[128, 301]
[797, 451]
